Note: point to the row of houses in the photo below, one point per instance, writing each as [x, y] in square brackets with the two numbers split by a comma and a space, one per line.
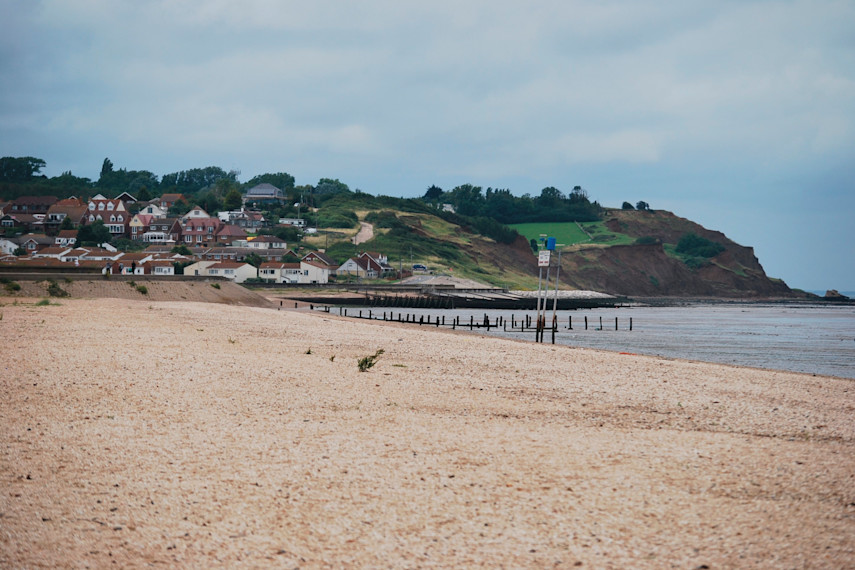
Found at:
[229, 262]
[150, 223]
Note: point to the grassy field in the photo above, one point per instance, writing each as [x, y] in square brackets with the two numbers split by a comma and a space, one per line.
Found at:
[569, 233]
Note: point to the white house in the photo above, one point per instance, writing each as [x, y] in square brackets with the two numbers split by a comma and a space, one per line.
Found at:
[234, 270]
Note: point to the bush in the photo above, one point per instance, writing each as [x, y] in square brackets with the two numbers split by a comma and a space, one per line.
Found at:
[54, 290]
[696, 246]
[215, 285]
[646, 240]
[11, 286]
[142, 289]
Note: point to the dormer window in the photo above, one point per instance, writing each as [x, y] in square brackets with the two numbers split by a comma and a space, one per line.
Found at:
[91, 205]
[101, 206]
[109, 205]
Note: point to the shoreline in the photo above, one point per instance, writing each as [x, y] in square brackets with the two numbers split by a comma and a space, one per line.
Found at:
[193, 434]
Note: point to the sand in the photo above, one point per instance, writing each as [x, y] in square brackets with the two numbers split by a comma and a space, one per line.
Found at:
[185, 434]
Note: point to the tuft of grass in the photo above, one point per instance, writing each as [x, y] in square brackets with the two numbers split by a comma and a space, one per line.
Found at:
[142, 289]
[332, 358]
[43, 303]
[215, 285]
[309, 351]
[132, 283]
[11, 286]
[368, 362]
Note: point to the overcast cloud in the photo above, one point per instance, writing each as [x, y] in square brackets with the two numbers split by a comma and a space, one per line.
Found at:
[738, 115]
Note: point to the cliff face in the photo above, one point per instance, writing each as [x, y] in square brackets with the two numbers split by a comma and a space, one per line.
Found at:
[646, 270]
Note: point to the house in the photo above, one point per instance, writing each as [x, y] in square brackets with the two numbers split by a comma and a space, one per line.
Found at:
[110, 211]
[168, 200]
[7, 246]
[359, 267]
[23, 222]
[153, 209]
[234, 270]
[32, 243]
[369, 265]
[293, 222]
[159, 267]
[71, 208]
[267, 242]
[31, 205]
[139, 225]
[55, 252]
[228, 234]
[320, 257]
[264, 194]
[66, 237]
[251, 220]
[200, 231]
[163, 230]
[126, 197]
[195, 213]
[316, 272]
[272, 271]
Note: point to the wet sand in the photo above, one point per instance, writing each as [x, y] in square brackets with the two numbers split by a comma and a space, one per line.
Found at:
[189, 434]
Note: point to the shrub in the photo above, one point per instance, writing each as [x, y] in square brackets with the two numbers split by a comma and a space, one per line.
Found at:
[215, 285]
[12, 286]
[695, 245]
[646, 240]
[142, 289]
[54, 290]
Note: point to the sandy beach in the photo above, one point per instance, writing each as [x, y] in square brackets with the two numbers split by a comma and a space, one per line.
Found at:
[194, 435]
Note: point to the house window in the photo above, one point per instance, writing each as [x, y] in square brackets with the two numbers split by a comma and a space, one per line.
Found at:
[229, 272]
[101, 206]
[109, 205]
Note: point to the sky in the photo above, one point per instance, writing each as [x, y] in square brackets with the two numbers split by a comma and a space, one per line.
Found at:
[738, 115]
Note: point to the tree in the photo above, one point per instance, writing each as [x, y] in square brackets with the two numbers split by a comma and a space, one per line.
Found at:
[66, 224]
[281, 180]
[20, 169]
[627, 206]
[253, 259]
[642, 205]
[233, 200]
[330, 186]
[95, 233]
[533, 243]
[433, 194]
[181, 250]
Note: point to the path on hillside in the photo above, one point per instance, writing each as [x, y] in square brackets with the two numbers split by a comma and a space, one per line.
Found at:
[365, 233]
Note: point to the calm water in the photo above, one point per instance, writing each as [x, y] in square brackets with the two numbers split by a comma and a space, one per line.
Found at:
[799, 338]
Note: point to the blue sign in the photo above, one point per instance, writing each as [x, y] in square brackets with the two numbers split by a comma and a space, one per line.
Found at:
[550, 244]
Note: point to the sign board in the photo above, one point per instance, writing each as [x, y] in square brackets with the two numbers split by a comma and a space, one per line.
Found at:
[543, 258]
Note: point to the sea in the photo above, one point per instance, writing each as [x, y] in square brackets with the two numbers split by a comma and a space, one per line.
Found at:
[810, 338]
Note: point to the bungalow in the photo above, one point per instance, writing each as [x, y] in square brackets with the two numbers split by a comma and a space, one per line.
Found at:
[66, 237]
[266, 242]
[264, 194]
[55, 252]
[159, 267]
[316, 272]
[236, 271]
